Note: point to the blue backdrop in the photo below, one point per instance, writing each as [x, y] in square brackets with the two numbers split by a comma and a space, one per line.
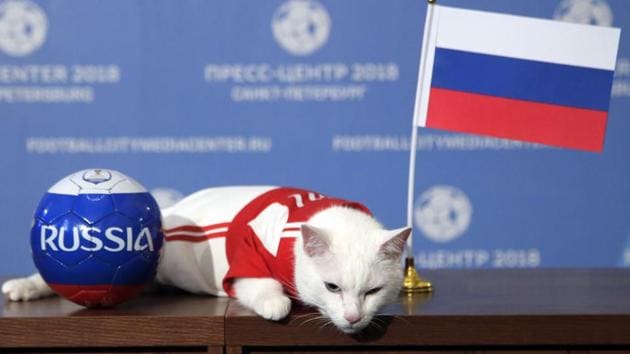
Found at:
[183, 95]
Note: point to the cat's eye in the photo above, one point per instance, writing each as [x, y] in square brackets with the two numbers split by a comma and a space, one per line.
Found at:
[333, 288]
[373, 291]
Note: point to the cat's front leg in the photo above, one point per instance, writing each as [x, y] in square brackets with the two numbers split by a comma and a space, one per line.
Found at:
[25, 289]
[263, 295]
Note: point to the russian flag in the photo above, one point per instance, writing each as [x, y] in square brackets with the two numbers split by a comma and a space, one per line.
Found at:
[516, 77]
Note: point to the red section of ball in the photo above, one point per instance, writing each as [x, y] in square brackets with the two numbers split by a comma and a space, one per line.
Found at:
[98, 295]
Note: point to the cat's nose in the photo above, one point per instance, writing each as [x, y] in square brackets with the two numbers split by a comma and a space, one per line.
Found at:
[352, 318]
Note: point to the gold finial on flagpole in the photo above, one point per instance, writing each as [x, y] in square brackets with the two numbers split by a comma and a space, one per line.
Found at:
[412, 282]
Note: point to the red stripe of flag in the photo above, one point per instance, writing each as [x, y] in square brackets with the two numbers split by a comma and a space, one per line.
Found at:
[196, 228]
[543, 123]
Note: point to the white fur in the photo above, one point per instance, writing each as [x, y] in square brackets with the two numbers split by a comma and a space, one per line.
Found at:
[345, 247]
[263, 295]
[355, 262]
[25, 289]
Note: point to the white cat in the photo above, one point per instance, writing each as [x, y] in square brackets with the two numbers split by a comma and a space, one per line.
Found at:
[265, 245]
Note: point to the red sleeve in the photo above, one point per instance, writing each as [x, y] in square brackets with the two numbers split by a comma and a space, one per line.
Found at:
[244, 257]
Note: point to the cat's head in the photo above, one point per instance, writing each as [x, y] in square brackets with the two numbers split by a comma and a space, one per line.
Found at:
[348, 266]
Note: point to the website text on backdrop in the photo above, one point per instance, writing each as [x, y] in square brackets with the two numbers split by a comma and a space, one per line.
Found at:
[513, 77]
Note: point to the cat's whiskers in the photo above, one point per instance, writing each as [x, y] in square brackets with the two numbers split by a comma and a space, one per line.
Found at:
[319, 317]
[328, 322]
[299, 317]
[378, 326]
[401, 318]
[295, 317]
[379, 319]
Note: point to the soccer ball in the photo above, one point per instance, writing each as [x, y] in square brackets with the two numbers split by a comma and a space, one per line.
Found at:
[96, 237]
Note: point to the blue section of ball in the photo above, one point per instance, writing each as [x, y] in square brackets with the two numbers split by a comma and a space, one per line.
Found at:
[97, 239]
[155, 229]
[93, 207]
[53, 206]
[91, 271]
[142, 207]
[62, 239]
[138, 270]
[123, 236]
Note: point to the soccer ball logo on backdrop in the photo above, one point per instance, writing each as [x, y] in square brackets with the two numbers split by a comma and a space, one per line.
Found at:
[593, 12]
[443, 213]
[23, 27]
[301, 26]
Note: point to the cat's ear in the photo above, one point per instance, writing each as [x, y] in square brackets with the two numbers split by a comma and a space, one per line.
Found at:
[395, 244]
[315, 241]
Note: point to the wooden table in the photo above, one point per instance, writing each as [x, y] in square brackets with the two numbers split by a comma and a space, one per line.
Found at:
[164, 321]
[489, 311]
[496, 311]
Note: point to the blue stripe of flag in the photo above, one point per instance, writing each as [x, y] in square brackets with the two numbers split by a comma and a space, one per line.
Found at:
[521, 79]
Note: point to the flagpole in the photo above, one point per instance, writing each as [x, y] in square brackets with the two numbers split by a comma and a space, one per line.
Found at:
[412, 282]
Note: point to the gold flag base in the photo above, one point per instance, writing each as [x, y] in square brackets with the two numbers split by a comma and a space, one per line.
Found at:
[412, 282]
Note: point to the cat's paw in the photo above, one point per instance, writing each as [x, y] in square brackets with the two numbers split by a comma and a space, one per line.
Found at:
[26, 289]
[272, 307]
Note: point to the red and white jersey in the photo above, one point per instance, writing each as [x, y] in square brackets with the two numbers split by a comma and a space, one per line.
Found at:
[219, 234]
